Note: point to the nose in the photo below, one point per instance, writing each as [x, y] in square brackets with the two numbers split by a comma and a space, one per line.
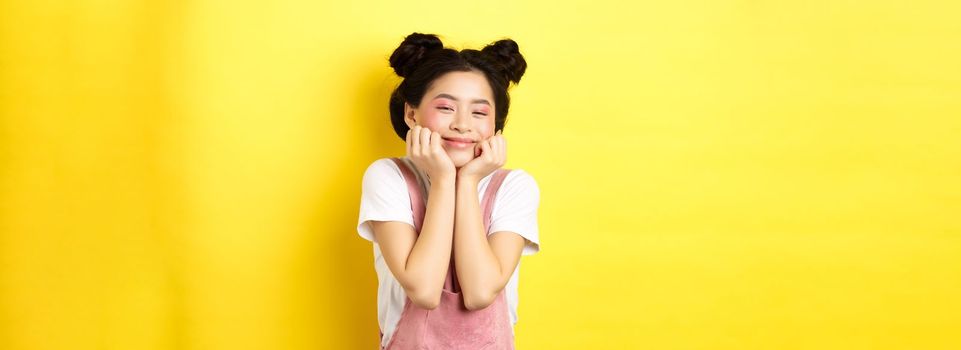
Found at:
[461, 121]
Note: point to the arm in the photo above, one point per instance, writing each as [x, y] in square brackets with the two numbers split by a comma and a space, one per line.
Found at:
[420, 262]
[484, 265]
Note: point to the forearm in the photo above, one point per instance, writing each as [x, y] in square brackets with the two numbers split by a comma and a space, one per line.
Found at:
[429, 259]
[478, 270]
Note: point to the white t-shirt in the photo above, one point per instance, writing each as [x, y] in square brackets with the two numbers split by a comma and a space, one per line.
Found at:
[385, 198]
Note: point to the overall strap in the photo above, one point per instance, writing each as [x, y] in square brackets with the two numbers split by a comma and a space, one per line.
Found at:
[417, 204]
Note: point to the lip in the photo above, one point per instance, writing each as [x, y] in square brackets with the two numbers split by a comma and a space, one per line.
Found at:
[458, 142]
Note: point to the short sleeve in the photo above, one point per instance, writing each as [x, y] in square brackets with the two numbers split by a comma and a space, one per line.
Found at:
[383, 197]
[515, 209]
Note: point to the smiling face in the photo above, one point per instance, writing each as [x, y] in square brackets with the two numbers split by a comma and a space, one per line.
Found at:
[460, 106]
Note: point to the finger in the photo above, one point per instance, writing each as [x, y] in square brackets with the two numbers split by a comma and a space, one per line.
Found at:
[483, 151]
[415, 140]
[503, 151]
[435, 143]
[407, 142]
[502, 141]
[487, 153]
[425, 140]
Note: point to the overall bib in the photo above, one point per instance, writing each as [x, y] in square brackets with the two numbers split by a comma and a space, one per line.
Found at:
[451, 325]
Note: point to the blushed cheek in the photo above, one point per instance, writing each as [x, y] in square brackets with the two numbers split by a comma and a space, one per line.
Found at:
[429, 119]
[486, 130]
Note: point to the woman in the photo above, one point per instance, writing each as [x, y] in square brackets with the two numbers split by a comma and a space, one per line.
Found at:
[448, 224]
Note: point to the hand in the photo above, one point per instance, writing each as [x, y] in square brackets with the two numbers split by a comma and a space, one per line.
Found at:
[492, 156]
[425, 150]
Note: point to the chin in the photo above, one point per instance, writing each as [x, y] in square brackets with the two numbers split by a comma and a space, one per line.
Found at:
[460, 159]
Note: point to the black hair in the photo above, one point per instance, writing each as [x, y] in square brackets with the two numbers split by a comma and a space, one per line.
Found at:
[422, 58]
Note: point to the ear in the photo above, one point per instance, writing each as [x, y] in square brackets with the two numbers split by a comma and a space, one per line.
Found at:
[409, 113]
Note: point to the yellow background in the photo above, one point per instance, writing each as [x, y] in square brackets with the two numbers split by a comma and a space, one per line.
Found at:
[714, 174]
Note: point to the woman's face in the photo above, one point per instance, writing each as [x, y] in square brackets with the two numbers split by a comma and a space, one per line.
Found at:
[459, 106]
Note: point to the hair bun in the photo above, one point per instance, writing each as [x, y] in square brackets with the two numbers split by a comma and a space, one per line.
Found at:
[509, 55]
[411, 52]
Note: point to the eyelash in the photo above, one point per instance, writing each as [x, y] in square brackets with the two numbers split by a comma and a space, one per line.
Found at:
[451, 109]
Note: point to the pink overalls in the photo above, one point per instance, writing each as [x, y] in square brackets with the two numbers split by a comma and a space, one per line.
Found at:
[451, 325]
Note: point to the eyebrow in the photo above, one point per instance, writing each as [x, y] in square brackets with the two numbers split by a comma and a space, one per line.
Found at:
[480, 100]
